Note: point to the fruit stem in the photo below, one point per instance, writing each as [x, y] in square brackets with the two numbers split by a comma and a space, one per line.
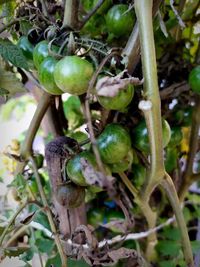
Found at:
[49, 214]
[193, 145]
[32, 130]
[170, 189]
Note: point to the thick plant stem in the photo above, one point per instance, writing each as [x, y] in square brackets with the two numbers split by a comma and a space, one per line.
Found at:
[143, 10]
[194, 135]
[49, 214]
[170, 189]
[32, 130]
[71, 14]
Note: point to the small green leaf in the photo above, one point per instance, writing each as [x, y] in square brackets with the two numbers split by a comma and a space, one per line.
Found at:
[45, 245]
[195, 246]
[14, 251]
[167, 264]
[13, 54]
[168, 248]
[27, 255]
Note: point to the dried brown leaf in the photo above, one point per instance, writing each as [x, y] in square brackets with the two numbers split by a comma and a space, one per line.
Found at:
[28, 218]
[110, 86]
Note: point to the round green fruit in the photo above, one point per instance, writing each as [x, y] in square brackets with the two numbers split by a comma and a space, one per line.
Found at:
[119, 20]
[70, 195]
[141, 140]
[74, 167]
[139, 175]
[118, 102]
[123, 164]
[72, 74]
[194, 79]
[114, 143]
[171, 157]
[26, 47]
[46, 78]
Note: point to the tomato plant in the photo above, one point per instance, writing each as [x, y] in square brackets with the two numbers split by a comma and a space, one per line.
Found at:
[45, 73]
[113, 143]
[26, 47]
[70, 195]
[194, 79]
[72, 74]
[140, 136]
[120, 20]
[120, 101]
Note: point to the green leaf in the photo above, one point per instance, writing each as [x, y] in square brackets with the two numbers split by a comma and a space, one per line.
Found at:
[13, 54]
[14, 251]
[167, 264]
[25, 26]
[195, 246]
[72, 110]
[45, 245]
[9, 83]
[55, 261]
[168, 248]
[27, 255]
[4, 1]
[70, 263]
[172, 233]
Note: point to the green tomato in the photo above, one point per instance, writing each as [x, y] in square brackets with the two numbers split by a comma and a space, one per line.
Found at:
[39, 159]
[194, 79]
[32, 183]
[26, 47]
[114, 143]
[139, 175]
[72, 74]
[171, 156]
[120, 22]
[74, 167]
[95, 27]
[118, 102]
[70, 195]
[123, 164]
[41, 52]
[141, 140]
[46, 78]
[176, 136]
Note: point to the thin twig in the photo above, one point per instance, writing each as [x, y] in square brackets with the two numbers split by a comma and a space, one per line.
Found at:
[88, 114]
[49, 214]
[91, 13]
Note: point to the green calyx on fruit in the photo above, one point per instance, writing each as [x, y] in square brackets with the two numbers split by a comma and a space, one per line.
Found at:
[119, 20]
[118, 102]
[70, 195]
[74, 167]
[114, 143]
[141, 140]
[194, 79]
[46, 78]
[26, 47]
[72, 74]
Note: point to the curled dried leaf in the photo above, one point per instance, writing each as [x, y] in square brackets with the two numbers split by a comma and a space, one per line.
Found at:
[110, 86]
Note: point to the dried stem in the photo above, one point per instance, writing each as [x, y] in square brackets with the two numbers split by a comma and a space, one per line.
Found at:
[49, 214]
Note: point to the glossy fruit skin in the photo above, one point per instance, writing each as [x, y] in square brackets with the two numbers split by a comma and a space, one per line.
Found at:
[46, 78]
[26, 47]
[70, 195]
[194, 79]
[72, 75]
[118, 102]
[139, 175]
[74, 168]
[118, 22]
[41, 52]
[113, 143]
[123, 164]
[171, 156]
[141, 140]
[176, 136]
